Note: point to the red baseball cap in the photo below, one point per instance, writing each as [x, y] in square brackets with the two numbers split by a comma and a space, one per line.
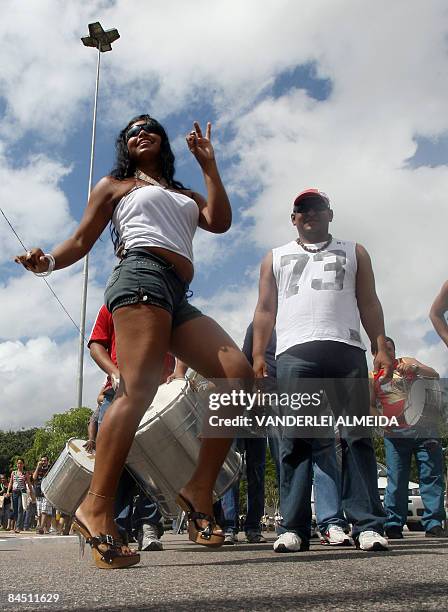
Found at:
[312, 192]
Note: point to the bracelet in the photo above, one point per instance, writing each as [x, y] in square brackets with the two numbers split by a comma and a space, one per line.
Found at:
[51, 265]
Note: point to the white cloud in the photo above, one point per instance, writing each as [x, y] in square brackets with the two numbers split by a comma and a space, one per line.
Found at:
[29, 309]
[33, 202]
[46, 74]
[233, 308]
[38, 379]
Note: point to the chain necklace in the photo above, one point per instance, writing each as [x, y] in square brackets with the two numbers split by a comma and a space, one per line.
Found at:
[139, 174]
[309, 250]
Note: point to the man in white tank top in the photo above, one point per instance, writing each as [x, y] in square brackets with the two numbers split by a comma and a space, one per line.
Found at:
[317, 290]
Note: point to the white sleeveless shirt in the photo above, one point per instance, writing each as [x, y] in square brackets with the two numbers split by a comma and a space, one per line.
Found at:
[154, 216]
[316, 295]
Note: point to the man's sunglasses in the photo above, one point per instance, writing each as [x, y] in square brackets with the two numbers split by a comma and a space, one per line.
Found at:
[149, 128]
[305, 207]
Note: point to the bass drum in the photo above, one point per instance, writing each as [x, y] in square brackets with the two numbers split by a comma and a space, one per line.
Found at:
[68, 481]
[166, 447]
[424, 403]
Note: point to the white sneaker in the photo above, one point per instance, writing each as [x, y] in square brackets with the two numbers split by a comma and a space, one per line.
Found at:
[289, 542]
[230, 539]
[148, 538]
[371, 540]
[335, 536]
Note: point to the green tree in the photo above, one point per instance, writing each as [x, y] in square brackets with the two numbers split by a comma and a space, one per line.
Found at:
[14, 444]
[51, 439]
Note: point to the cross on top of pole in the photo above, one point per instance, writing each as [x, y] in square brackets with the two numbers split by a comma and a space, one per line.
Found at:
[99, 38]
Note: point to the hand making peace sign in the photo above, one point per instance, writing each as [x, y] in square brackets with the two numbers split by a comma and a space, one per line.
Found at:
[200, 145]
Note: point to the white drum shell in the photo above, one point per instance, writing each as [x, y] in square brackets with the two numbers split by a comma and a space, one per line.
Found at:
[424, 399]
[166, 447]
[68, 481]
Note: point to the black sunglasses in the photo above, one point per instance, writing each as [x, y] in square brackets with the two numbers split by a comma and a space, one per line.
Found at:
[149, 128]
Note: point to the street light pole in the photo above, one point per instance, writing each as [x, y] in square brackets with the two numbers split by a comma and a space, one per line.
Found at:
[102, 40]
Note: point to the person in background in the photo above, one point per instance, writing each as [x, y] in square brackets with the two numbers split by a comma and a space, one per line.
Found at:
[404, 441]
[19, 483]
[31, 506]
[5, 503]
[44, 507]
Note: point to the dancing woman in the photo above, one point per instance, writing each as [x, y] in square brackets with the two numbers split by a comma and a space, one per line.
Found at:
[155, 219]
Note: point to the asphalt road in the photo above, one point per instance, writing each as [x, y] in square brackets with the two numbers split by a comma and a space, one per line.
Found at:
[412, 575]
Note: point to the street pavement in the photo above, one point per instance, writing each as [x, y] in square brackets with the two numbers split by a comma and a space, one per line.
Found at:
[184, 576]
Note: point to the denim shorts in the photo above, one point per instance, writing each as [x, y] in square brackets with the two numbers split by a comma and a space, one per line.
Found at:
[144, 277]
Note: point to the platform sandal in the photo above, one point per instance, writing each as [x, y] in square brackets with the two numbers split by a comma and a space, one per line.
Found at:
[205, 536]
[110, 555]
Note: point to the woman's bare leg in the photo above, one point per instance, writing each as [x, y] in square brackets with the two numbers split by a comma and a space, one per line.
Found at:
[215, 356]
[142, 336]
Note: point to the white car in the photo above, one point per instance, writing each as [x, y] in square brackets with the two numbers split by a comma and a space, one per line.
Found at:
[415, 504]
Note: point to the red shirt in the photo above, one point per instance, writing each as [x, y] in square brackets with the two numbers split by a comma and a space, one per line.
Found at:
[103, 332]
[393, 394]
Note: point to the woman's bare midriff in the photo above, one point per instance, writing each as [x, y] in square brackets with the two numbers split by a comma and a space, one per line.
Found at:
[184, 267]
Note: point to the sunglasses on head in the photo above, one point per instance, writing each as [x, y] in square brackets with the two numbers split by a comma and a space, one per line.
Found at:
[148, 127]
[316, 205]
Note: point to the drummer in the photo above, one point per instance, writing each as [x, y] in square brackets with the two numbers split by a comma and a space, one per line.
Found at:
[400, 443]
[143, 510]
[155, 219]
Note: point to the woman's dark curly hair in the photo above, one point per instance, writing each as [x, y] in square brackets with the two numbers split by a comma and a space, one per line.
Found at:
[125, 166]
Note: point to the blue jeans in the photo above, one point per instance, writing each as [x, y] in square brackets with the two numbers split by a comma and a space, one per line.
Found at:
[30, 514]
[127, 515]
[361, 503]
[107, 401]
[429, 457]
[299, 459]
[18, 508]
[255, 463]
[327, 485]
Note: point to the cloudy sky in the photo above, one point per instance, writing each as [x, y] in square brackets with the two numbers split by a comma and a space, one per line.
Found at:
[346, 95]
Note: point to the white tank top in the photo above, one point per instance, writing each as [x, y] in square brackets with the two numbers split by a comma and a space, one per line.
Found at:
[154, 216]
[316, 295]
